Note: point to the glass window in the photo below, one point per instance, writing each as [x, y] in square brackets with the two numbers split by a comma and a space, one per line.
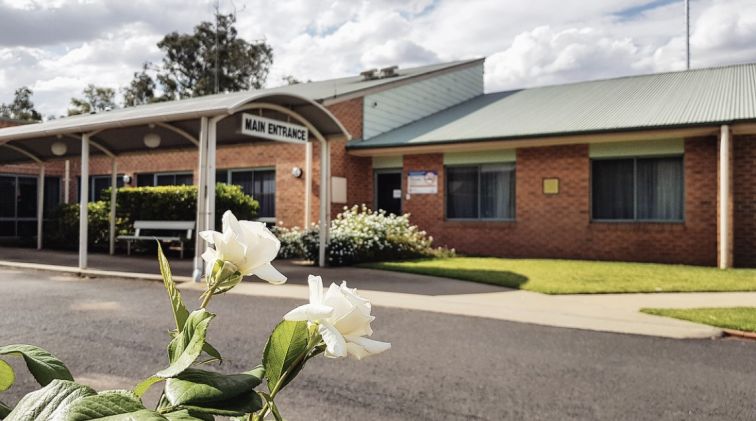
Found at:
[7, 197]
[145, 179]
[480, 192]
[52, 195]
[258, 183]
[645, 189]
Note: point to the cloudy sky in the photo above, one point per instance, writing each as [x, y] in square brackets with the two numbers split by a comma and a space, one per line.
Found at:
[56, 47]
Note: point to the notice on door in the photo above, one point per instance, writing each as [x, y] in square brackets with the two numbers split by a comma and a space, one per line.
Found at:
[422, 182]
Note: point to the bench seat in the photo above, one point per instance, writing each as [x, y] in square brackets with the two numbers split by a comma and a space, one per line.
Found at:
[165, 232]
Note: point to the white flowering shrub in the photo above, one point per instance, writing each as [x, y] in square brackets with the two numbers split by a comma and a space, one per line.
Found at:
[292, 245]
[359, 234]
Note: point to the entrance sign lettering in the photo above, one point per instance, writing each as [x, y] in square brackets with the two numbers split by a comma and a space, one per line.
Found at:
[268, 128]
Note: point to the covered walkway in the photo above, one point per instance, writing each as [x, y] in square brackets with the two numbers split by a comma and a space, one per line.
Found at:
[198, 123]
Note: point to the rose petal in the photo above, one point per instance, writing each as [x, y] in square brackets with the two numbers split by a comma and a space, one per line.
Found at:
[268, 273]
[363, 347]
[335, 343]
[309, 312]
[316, 289]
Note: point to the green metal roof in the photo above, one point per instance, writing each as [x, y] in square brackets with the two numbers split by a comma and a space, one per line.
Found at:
[665, 100]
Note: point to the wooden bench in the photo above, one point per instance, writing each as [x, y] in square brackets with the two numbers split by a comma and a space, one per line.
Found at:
[175, 233]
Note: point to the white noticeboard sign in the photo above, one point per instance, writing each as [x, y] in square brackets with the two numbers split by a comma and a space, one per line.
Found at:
[267, 128]
[422, 182]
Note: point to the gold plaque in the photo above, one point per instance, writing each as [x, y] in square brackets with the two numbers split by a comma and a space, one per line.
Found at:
[550, 186]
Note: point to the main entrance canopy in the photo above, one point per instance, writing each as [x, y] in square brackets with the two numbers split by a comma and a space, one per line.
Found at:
[201, 123]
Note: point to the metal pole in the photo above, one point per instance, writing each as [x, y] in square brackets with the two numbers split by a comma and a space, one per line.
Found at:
[40, 204]
[324, 204]
[201, 192]
[113, 204]
[308, 185]
[725, 246]
[687, 34]
[210, 174]
[67, 182]
[84, 202]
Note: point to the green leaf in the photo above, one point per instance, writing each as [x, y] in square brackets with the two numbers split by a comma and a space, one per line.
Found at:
[180, 313]
[195, 386]
[4, 410]
[50, 402]
[285, 346]
[117, 403]
[211, 351]
[43, 366]
[234, 407]
[187, 415]
[187, 345]
[144, 385]
[7, 377]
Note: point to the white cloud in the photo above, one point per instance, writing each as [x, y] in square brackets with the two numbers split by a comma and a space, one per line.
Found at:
[59, 46]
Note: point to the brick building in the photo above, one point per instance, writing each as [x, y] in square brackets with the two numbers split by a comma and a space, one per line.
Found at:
[621, 169]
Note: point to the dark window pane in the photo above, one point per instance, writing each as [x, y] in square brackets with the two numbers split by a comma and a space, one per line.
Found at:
[165, 180]
[497, 191]
[660, 188]
[27, 197]
[146, 179]
[7, 197]
[612, 192]
[265, 192]
[243, 179]
[184, 180]
[462, 188]
[52, 194]
[7, 228]
[26, 228]
[221, 176]
[98, 186]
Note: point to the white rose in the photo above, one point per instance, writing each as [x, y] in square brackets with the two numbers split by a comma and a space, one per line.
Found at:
[248, 245]
[343, 319]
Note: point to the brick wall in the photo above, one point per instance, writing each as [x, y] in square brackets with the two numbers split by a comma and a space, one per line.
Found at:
[744, 201]
[559, 226]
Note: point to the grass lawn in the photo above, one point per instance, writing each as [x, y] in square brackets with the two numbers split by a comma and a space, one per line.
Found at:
[738, 318]
[578, 276]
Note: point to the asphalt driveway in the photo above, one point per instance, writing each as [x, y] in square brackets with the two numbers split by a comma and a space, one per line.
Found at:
[113, 332]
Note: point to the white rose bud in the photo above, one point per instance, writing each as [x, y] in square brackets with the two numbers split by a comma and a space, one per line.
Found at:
[343, 320]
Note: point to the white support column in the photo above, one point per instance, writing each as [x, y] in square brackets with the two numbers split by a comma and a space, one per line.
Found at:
[201, 193]
[113, 203]
[40, 204]
[212, 133]
[324, 203]
[67, 182]
[725, 218]
[308, 185]
[84, 202]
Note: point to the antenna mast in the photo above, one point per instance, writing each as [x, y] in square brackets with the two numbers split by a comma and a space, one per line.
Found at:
[217, 46]
[687, 34]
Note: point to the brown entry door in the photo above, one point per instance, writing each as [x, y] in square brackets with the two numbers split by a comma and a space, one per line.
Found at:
[388, 191]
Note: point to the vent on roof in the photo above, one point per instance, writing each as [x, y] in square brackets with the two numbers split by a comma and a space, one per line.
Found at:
[388, 72]
[383, 73]
[369, 74]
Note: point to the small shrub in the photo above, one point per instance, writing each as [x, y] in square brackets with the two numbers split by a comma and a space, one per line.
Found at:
[292, 245]
[360, 234]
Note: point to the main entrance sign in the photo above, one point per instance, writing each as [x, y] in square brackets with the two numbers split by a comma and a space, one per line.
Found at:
[268, 128]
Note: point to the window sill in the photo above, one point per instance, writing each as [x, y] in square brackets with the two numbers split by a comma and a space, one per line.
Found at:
[637, 222]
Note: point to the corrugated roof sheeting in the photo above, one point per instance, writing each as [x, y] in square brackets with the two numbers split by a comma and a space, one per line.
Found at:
[674, 99]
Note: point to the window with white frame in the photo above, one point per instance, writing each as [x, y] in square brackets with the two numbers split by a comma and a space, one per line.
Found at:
[480, 191]
[637, 189]
[165, 179]
[260, 183]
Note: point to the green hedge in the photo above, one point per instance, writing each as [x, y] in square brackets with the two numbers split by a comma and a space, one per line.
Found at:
[166, 203]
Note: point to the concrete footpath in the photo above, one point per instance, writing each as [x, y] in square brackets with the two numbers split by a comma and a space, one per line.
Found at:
[606, 312]
[603, 312]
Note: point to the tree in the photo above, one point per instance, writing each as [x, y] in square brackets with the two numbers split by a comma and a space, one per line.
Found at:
[96, 99]
[291, 80]
[22, 107]
[189, 65]
[141, 90]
